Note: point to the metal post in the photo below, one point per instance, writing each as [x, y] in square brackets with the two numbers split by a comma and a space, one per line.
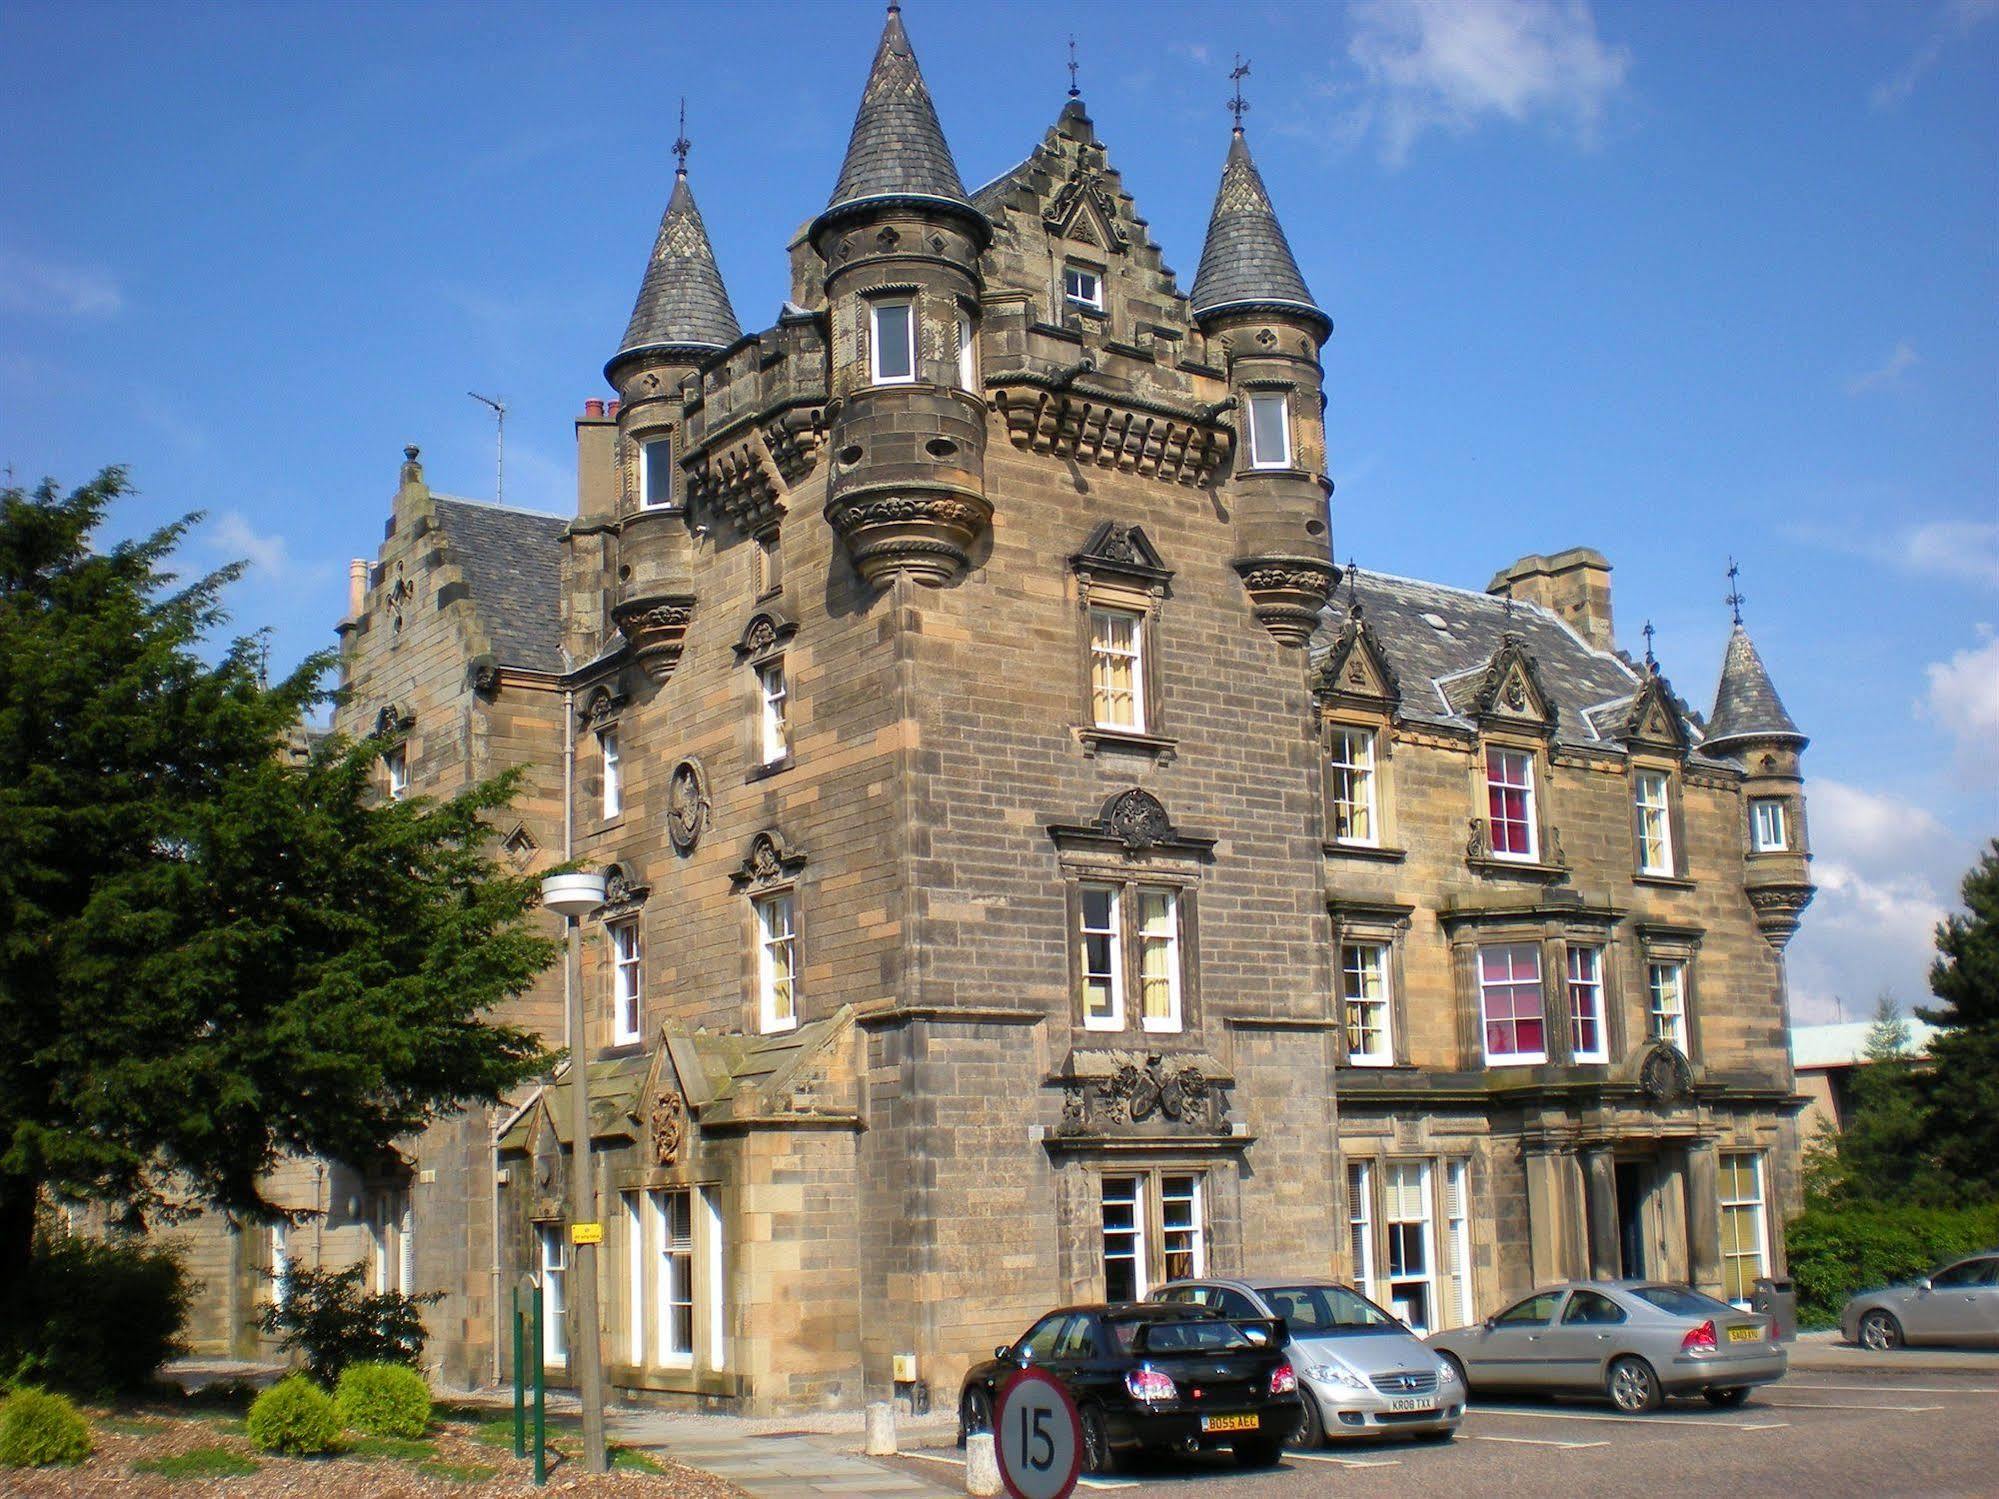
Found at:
[520, 1383]
[540, 1401]
[586, 1350]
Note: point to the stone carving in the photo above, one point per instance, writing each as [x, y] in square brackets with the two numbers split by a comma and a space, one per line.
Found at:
[1106, 432]
[687, 805]
[1286, 594]
[761, 637]
[1665, 1074]
[602, 709]
[519, 846]
[1121, 550]
[1086, 186]
[765, 863]
[1512, 682]
[668, 1125]
[622, 893]
[927, 536]
[1138, 820]
[393, 720]
[1153, 1095]
[1778, 908]
[768, 861]
[656, 631]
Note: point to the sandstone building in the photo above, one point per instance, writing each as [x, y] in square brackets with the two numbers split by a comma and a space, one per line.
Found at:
[1037, 870]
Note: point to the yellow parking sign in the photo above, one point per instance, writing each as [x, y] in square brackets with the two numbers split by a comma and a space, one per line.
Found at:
[586, 1233]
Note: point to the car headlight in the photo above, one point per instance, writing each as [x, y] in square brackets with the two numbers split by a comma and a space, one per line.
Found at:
[1336, 1374]
[1447, 1372]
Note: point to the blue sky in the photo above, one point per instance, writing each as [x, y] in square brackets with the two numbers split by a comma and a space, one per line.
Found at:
[1675, 281]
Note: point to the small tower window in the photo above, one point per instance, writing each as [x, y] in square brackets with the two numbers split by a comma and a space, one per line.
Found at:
[656, 472]
[614, 774]
[396, 762]
[892, 350]
[968, 354]
[1269, 431]
[1769, 834]
[1081, 288]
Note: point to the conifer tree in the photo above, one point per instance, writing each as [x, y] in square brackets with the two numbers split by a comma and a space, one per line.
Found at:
[217, 944]
[1961, 1086]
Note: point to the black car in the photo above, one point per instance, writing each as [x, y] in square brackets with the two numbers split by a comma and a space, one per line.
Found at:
[1152, 1376]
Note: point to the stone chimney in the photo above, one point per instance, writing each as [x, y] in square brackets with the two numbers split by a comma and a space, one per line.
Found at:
[1574, 586]
[357, 587]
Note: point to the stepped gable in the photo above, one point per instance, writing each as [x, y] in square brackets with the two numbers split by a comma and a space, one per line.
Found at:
[512, 563]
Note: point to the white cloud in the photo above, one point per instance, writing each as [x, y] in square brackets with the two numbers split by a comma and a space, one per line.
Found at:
[1451, 65]
[1899, 362]
[51, 287]
[1955, 549]
[236, 538]
[1964, 699]
[1955, 20]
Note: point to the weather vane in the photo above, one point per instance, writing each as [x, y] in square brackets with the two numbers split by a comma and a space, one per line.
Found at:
[682, 145]
[1734, 599]
[1353, 587]
[1238, 104]
[1074, 92]
[1651, 661]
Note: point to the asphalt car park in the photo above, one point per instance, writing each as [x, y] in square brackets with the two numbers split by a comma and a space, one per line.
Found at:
[1824, 1433]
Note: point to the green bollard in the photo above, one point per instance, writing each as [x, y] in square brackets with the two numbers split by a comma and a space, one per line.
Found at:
[520, 1384]
[540, 1401]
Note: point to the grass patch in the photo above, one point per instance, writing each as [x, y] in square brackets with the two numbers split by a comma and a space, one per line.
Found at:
[199, 1462]
[131, 1426]
[632, 1460]
[500, 1433]
[404, 1449]
[224, 1424]
[457, 1472]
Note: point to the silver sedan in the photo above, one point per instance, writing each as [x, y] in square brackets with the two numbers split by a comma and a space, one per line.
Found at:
[1957, 1304]
[1635, 1341]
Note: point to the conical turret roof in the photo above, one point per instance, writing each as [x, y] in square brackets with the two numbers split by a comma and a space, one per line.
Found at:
[1247, 261]
[1746, 705]
[897, 149]
[682, 302]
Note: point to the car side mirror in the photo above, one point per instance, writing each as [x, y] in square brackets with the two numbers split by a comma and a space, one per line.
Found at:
[1003, 1352]
[1923, 1283]
[1489, 1323]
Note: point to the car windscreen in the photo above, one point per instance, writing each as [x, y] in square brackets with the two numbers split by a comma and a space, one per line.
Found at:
[1210, 1335]
[1327, 1311]
[1682, 1302]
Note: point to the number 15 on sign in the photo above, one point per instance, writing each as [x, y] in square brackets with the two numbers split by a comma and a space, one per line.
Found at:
[1037, 1438]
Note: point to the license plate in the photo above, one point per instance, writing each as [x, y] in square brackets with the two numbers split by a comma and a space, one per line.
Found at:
[1422, 1404]
[1228, 1423]
[1744, 1334]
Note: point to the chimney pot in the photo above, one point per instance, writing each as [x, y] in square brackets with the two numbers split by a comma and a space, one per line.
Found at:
[593, 409]
[614, 408]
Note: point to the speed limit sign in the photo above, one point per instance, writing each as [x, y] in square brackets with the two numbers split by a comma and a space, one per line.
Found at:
[1037, 1438]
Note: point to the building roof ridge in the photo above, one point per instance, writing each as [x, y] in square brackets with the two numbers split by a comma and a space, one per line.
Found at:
[460, 499]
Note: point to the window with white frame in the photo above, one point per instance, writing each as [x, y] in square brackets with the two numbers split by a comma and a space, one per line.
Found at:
[774, 726]
[1360, 1223]
[968, 353]
[396, 764]
[892, 348]
[1270, 430]
[672, 1233]
[1352, 765]
[1082, 288]
[1158, 960]
[1745, 1240]
[1181, 1235]
[1509, 790]
[1366, 1001]
[1407, 1220]
[388, 1243]
[1510, 1013]
[1666, 1002]
[636, 1350]
[554, 1293]
[1117, 669]
[1650, 789]
[627, 981]
[1102, 954]
[1457, 1245]
[711, 1217]
[777, 963]
[1587, 1041]
[281, 1263]
[614, 773]
[655, 472]
[1124, 1238]
[1768, 832]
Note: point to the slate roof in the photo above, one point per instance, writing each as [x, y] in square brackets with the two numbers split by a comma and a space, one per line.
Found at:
[1439, 641]
[1746, 705]
[512, 561]
[1246, 258]
[897, 148]
[682, 302]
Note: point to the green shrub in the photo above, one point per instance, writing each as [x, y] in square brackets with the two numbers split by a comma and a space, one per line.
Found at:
[38, 1429]
[383, 1400]
[94, 1317]
[1835, 1252]
[332, 1322]
[294, 1416]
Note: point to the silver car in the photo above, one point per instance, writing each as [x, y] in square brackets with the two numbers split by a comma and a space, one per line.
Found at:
[1957, 1304]
[1361, 1373]
[1635, 1341]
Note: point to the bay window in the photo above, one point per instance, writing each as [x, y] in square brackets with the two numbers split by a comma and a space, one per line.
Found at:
[1406, 1216]
[968, 353]
[672, 1273]
[1360, 1223]
[1768, 832]
[1745, 1238]
[655, 473]
[1460, 1303]
[1511, 1017]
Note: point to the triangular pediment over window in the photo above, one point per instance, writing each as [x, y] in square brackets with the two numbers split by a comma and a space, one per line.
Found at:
[1655, 720]
[1510, 690]
[1118, 550]
[1357, 669]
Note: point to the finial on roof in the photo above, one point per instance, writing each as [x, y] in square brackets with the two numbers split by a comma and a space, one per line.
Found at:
[682, 145]
[1353, 588]
[1734, 600]
[1074, 92]
[1239, 105]
[1651, 661]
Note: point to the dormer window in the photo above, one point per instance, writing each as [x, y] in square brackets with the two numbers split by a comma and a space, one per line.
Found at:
[1270, 431]
[1509, 789]
[892, 349]
[655, 472]
[1082, 288]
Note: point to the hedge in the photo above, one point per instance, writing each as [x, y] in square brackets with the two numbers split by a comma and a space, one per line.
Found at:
[1836, 1252]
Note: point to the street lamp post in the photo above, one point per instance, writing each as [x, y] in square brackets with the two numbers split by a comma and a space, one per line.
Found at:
[573, 897]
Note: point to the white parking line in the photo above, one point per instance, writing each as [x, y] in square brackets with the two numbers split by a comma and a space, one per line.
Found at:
[1086, 1482]
[1805, 1387]
[1843, 1405]
[1346, 1462]
[1538, 1442]
[1713, 1423]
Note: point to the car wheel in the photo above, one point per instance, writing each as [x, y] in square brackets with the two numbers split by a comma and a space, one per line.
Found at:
[1727, 1399]
[1097, 1454]
[1880, 1331]
[1258, 1452]
[1311, 1432]
[975, 1414]
[1633, 1387]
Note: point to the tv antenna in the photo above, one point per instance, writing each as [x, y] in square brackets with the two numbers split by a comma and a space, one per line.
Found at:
[500, 452]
